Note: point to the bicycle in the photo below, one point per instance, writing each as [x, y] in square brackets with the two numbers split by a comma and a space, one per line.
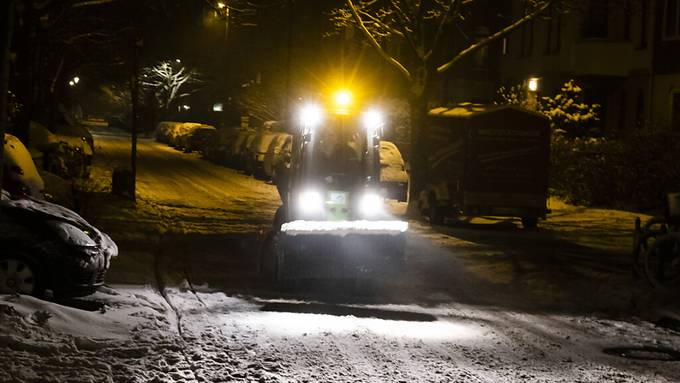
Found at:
[656, 248]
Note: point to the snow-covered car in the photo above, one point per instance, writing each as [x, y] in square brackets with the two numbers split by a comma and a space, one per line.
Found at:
[20, 175]
[218, 150]
[198, 138]
[258, 151]
[275, 153]
[67, 155]
[393, 176]
[49, 247]
[241, 154]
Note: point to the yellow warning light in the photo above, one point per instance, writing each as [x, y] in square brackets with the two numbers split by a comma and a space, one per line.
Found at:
[343, 98]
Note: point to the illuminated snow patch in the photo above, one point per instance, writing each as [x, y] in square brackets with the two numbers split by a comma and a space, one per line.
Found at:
[296, 324]
[342, 228]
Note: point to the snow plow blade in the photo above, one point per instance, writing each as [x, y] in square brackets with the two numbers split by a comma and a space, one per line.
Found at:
[342, 250]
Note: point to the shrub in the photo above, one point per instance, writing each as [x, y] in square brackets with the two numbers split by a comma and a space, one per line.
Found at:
[634, 171]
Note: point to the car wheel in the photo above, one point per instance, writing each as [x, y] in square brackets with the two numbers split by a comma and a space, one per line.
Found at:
[20, 274]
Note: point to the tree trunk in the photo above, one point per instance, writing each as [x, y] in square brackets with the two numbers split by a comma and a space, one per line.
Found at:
[419, 144]
[25, 87]
[7, 20]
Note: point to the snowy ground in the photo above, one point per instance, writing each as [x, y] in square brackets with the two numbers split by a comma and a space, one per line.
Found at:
[136, 336]
[483, 301]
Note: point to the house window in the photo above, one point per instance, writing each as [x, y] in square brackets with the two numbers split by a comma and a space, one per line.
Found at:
[527, 39]
[553, 37]
[644, 14]
[671, 20]
[675, 111]
[596, 22]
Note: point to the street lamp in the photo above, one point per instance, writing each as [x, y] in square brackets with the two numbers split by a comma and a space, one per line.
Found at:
[532, 93]
[532, 84]
[221, 5]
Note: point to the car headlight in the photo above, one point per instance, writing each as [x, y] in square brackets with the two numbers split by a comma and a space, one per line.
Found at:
[310, 202]
[71, 234]
[371, 205]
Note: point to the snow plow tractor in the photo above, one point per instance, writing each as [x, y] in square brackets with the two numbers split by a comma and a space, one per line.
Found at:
[333, 223]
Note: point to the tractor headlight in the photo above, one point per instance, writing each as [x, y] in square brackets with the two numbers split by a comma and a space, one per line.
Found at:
[310, 202]
[311, 116]
[373, 120]
[371, 205]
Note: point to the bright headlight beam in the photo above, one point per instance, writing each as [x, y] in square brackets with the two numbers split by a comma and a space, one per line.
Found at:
[310, 202]
[311, 115]
[371, 204]
[373, 119]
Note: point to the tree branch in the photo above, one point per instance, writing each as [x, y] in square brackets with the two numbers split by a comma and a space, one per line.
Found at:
[488, 40]
[404, 21]
[374, 42]
[440, 30]
[382, 24]
[91, 2]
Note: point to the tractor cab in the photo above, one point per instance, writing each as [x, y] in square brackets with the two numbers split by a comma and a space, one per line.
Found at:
[336, 166]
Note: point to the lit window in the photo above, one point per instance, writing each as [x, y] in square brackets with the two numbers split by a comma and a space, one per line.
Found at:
[671, 20]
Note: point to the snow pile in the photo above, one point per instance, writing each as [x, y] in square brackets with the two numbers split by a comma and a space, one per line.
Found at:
[20, 168]
[129, 338]
[391, 163]
[343, 228]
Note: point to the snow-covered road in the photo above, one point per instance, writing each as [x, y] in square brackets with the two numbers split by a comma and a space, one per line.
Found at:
[482, 301]
[137, 337]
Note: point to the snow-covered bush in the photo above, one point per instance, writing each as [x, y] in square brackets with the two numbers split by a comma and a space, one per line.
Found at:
[568, 112]
[635, 171]
[627, 171]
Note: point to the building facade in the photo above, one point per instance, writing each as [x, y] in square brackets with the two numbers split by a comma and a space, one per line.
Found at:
[625, 53]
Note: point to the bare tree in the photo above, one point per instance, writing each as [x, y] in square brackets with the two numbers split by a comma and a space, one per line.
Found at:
[168, 81]
[422, 26]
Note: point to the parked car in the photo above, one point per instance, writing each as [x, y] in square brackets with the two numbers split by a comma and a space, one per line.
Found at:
[274, 153]
[257, 151]
[393, 176]
[49, 247]
[67, 155]
[242, 152]
[164, 130]
[217, 150]
[20, 175]
[196, 138]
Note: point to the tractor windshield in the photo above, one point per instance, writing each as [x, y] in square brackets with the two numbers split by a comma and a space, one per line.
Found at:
[337, 151]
